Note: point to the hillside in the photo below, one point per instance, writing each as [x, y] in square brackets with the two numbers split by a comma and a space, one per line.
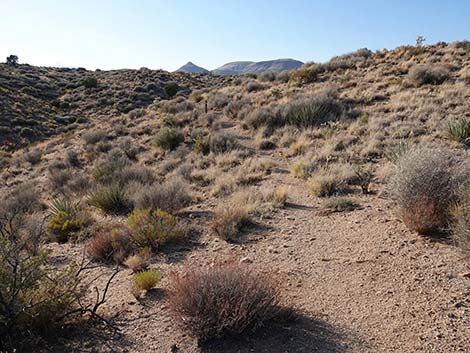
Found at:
[318, 209]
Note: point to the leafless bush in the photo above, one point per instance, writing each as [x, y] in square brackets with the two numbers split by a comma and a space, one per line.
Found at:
[227, 299]
[33, 156]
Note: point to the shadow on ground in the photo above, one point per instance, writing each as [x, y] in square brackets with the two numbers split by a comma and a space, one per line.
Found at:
[304, 335]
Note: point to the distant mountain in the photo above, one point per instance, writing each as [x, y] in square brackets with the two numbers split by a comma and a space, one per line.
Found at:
[250, 67]
[191, 68]
[233, 68]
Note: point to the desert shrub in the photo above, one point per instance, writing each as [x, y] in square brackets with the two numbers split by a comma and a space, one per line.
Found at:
[59, 178]
[216, 143]
[71, 156]
[269, 117]
[459, 130]
[217, 100]
[137, 263]
[133, 174]
[146, 280]
[307, 73]
[347, 61]
[340, 204]
[227, 299]
[106, 170]
[130, 149]
[460, 220]
[33, 156]
[304, 169]
[179, 104]
[93, 137]
[229, 221]
[253, 86]
[313, 111]
[154, 229]
[423, 186]
[171, 89]
[109, 244]
[168, 138]
[169, 196]
[89, 82]
[427, 75]
[22, 199]
[36, 297]
[67, 217]
[111, 199]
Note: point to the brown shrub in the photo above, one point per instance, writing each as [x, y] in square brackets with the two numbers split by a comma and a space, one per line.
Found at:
[224, 300]
[110, 244]
[229, 221]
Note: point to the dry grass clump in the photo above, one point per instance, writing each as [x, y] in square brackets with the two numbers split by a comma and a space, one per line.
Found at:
[304, 169]
[331, 180]
[146, 280]
[154, 229]
[110, 244]
[427, 75]
[93, 137]
[424, 185]
[229, 221]
[111, 199]
[228, 299]
[137, 263]
[459, 130]
[269, 117]
[170, 196]
[216, 143]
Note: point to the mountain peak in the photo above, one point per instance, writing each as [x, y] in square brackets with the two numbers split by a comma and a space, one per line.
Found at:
[191, 68]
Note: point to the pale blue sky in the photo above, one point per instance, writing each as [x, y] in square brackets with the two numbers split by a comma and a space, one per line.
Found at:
[111, 34]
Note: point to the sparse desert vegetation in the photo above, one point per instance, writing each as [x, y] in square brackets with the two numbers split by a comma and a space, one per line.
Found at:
[177, 209]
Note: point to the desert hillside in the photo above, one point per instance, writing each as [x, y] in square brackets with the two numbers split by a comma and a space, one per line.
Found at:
[321, 209]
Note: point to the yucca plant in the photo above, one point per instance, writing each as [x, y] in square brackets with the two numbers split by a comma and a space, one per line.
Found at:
[459, 130]
[398, 151]
[64, 205]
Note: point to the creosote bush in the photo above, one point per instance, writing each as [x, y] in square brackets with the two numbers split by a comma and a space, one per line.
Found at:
[424, 186]
[225, 300]
[154, 229]
[168, 138]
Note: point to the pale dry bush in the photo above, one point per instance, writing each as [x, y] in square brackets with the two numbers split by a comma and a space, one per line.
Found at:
[332, 180]
[424, 186]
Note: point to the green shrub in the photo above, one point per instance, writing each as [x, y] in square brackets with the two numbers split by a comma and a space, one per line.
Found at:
[111, 199]
[314, 111]
[459, 130]
[171, 89]
[147, 280]
[67, 217]
[168, 138]
[89, 82]
[153, 229]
